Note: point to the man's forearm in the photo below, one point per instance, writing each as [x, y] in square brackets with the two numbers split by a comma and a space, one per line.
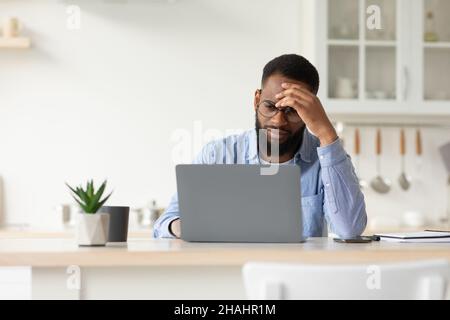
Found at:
[161, 229]
[344, 201]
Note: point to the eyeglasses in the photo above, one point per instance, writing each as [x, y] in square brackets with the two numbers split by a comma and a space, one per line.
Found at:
[268, 109]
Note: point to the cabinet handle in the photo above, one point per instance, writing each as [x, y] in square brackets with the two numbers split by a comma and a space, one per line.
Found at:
[405, 83]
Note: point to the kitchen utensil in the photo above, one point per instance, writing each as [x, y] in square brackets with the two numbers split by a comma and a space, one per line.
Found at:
[403, 179]
[419, 160]
[11, 27]
[357, 146]
[64, 210]
[379, 184]
[144, 217]
[147, 216]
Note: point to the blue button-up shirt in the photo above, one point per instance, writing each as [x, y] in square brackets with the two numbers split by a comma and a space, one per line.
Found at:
[330, 193]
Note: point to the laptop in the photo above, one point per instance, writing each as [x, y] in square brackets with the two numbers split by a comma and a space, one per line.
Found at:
[236, 203]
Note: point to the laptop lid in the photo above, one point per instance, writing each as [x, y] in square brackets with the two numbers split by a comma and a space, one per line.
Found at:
[236, 203]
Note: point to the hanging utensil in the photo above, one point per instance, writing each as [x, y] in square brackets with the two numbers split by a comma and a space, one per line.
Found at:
[419, 160]
[379, 184]
[403, 179]
[357, 152]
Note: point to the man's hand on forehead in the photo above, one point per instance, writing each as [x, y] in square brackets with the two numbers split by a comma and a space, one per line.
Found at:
[309, 109]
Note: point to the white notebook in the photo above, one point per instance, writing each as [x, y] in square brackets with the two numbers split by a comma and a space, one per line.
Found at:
[424, 236]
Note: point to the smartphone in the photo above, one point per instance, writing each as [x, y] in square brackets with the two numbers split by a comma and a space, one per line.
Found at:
[361, 239]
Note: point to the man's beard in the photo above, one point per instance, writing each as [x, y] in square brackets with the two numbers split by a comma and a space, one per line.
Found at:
[290, 145]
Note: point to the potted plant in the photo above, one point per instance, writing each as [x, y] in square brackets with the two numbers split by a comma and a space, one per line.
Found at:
[92, 226]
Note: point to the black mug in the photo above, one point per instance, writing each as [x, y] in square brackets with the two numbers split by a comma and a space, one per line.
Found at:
[118, 222]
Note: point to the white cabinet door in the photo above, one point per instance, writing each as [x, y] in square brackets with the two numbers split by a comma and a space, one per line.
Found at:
[362, 55]
[431, 41]
[384, 66]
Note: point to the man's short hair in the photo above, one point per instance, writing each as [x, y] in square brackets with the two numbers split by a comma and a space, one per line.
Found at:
[294, 67]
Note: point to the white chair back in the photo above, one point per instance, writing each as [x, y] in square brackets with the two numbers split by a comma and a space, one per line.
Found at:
[406, 280]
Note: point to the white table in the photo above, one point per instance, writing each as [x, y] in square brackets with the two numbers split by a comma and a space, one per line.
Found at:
[173, 269]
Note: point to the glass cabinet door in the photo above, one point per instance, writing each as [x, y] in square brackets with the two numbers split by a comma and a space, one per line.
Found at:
[343, 71]
[362, 61]
[343, 18]
[343, 49]
[436, 52]
[388, 25]
[381, 52]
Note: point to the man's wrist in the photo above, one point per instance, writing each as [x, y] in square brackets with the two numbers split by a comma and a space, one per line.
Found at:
[328, 137]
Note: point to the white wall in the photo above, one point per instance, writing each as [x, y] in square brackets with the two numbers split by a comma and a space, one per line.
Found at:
[427, 194]
[103, 101]
[106, 100]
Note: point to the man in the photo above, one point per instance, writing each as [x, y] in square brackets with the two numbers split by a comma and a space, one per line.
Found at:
[288, 108]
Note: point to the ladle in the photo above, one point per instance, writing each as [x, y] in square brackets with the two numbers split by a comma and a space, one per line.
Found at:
[379, 184]
[403, 179]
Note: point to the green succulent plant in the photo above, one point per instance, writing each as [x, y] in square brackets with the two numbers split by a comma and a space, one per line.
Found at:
[89, 199]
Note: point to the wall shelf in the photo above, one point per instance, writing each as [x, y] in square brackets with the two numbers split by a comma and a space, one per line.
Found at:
[342, 42]
[380, 43]
[15, 43]
[445, 45]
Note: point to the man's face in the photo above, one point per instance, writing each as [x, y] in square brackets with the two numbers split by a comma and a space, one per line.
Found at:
[289, 133]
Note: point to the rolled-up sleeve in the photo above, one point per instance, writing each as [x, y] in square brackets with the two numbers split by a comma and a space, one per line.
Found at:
[161, 227]
[344, 205]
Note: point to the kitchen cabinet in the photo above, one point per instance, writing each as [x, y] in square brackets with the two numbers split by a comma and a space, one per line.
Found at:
[401, 69]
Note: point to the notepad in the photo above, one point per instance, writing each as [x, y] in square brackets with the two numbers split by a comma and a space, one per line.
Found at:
[424, 236]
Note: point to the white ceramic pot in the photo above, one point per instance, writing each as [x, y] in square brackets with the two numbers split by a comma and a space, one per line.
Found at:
[345, 88]
[93, 229]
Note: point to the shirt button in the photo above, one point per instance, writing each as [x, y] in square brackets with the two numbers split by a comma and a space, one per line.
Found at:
[327, 185]
[321, 157]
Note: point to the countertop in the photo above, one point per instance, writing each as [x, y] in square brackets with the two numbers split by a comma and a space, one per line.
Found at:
[144, 251]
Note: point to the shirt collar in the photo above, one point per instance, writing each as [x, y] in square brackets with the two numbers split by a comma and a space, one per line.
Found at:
[304, 152]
